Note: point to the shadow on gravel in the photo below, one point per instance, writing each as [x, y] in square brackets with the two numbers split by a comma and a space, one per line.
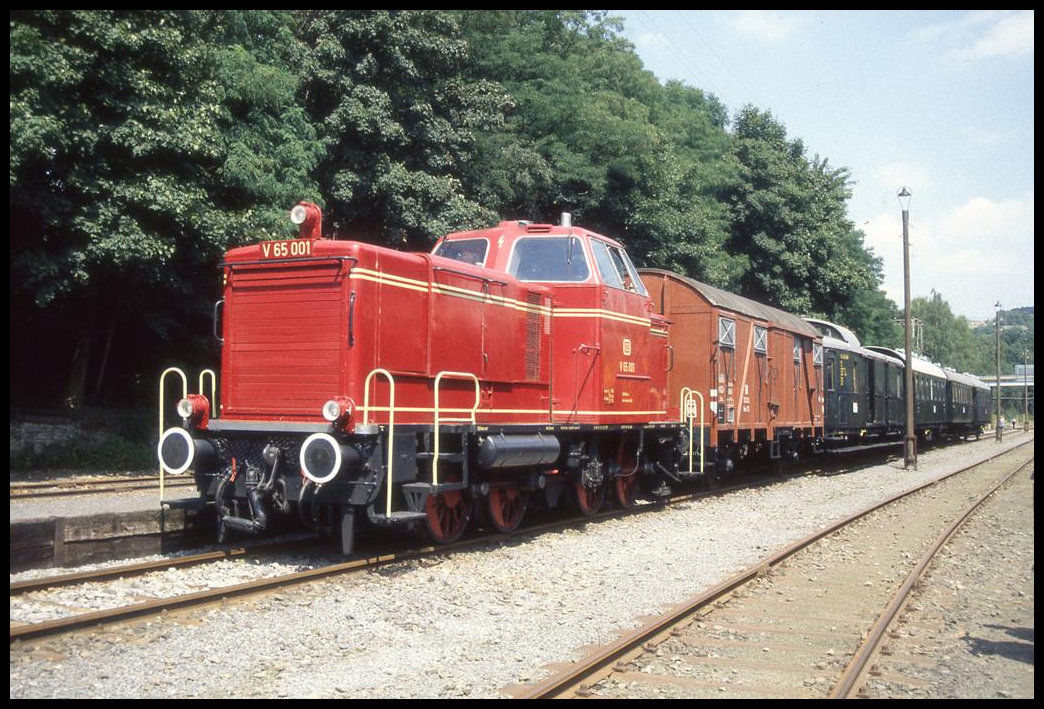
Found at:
[1018, 651]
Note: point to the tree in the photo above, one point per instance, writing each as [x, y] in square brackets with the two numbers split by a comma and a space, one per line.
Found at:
[139, 150]
[576, 123]
[397, 119]
[1017, 341]
[790, 220]
[590, 131]
[948, 339]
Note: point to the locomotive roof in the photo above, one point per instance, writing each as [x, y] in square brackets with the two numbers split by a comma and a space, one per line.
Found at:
[502, 238]
[737, 303]
[526, 228]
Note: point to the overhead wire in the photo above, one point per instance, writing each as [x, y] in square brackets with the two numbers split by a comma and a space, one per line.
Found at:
[651, 25]
[717, 56]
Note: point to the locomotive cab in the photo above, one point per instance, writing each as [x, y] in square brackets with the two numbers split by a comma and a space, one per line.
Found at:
[609, 354]
[609, 349]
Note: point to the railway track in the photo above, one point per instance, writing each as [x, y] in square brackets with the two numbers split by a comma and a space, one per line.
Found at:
[76, 618]
[967, 629]
[803, 623]
[488, 619]
[132, 531]
[93, 486]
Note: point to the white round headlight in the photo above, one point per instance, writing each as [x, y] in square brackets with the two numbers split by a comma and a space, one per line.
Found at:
[331, 410]
[185, 408]
[298, 214]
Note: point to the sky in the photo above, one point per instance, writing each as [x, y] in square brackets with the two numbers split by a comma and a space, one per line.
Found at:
[938, 101]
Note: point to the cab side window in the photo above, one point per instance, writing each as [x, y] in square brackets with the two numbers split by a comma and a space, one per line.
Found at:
[616, 268]
[471, 251]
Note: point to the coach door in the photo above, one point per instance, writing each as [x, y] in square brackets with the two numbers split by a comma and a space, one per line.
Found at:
[833, 393]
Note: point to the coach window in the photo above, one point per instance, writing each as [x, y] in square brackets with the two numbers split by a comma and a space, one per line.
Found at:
[557, 259]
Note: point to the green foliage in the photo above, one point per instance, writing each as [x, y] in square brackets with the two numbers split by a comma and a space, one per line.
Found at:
[116, 107]
[948, 339]
[591, 132]
[96, 440]
[789, 219]
[146, 143]
[397, 120]
[143, 145]
[951, 340]
[1017, 339]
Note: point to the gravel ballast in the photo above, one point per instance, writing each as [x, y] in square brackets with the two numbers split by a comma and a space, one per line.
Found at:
[467, 624]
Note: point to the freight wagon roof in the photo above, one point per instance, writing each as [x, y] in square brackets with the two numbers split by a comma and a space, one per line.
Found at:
[737, 303]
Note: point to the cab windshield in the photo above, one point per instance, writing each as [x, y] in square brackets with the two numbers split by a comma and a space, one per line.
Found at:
[555, 259]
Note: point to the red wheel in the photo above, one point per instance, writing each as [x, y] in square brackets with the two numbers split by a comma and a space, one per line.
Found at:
[448, 515]
[507, 506]
[625, 489]
[625, 485]
[588, 500]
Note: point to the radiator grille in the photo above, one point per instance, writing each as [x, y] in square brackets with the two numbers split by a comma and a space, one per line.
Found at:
[533, 337]
[285, 344]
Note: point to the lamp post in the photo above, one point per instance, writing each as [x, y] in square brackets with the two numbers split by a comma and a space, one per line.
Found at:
[999, 429]
[1025, 389]
[910, 444]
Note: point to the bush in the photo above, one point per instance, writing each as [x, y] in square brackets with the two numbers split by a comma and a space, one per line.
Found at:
[96, 439]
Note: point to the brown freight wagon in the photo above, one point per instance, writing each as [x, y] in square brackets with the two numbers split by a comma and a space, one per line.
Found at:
[758, 369]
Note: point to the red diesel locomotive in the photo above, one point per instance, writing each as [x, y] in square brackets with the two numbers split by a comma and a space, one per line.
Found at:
[511, 367]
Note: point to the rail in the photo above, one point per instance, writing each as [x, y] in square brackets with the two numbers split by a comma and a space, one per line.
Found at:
[588, 670]
[213, 390]
[855, 672]
[184, 392]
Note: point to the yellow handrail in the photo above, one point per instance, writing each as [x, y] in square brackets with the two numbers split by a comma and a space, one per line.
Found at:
[213, 390]
[438, 417]
[184, 393]
[686, 410]
[391, 423]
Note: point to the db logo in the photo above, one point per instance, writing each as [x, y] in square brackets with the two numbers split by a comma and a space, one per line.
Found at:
[627, 347]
